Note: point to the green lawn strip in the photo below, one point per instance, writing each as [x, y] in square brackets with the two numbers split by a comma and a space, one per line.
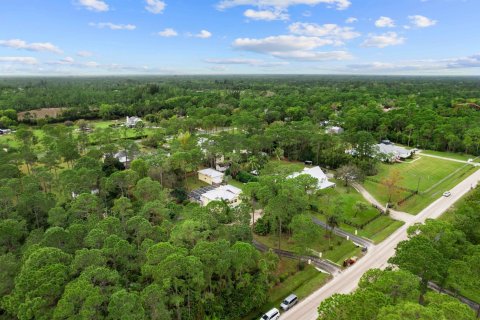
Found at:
[236, 183]
[451, 155]
[383, 231]
[302, 283]
[342, 251]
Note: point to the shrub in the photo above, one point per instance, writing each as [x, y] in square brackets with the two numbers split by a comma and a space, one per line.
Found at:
[262, 227]
[245, 177]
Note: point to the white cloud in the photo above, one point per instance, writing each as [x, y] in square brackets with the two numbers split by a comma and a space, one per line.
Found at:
[155, 6]
[329, 31]
[204, 34]
[282, 4]
[19, 60]
[351, 20]
[67, 60]
[441, 65]
[112, 26]
[385, 22]
[218, 68]
[422, 21]
[84, 53]
[291, 47]
[383, 40]
[168, 32]
[472, 61]
[243, 61]
[267, 15]
[34, 46]
[94, 5]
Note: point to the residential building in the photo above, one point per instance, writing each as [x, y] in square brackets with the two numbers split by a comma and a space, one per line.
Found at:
[317, 173]
[131, 122]
[389, 152]
[210, 176]
[334, 130]
[227, 193]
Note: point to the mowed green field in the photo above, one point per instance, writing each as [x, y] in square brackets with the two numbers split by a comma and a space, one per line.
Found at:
[433, 177]
[347, 197]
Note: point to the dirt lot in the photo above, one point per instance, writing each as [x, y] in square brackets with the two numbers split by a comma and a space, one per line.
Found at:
[41, 113]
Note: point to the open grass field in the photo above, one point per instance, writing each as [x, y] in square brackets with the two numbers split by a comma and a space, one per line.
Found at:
[432, 177]
[347, 197]
[302, 283]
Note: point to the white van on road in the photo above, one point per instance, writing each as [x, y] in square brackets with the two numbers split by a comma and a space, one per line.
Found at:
[273, 314]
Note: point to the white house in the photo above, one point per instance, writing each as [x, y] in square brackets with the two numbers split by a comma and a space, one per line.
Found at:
[334, 130]
[210, 176]
[132, 121]
[227, 193]
[316, 173]
[124, 157]
[391, 153]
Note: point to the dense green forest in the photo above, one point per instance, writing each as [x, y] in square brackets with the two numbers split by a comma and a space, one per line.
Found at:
[85, 236]
[433, 113]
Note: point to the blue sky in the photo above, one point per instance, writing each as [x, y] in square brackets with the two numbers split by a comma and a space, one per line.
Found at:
[96, 37]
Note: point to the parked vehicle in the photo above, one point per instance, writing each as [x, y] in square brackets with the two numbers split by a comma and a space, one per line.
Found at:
[289, 302]
[273, 314]
[447, 194]
[350, 261]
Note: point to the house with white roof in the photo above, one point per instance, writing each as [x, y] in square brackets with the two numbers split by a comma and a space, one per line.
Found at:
[389, 152]
[131, 122]
[334, 130]
[210, 176]
[318, 174]
[227, 193]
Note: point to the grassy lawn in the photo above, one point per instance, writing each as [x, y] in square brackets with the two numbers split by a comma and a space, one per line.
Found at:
[377, 230]
[346, 198]
[281, 167]
[236, 183]
[193, 183]
[451, 155]
[341, 248]
[433, 176]
[302, 283]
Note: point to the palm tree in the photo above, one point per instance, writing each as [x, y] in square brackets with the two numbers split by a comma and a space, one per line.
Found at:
[253, 163]
[332, 222]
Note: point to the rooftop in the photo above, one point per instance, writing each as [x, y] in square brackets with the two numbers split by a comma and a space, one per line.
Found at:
[211, 173]
[226, 192]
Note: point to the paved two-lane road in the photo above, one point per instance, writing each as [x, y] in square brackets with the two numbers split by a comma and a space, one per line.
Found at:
[377, 257]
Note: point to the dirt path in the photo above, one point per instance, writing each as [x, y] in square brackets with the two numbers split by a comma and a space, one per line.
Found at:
[397, 215]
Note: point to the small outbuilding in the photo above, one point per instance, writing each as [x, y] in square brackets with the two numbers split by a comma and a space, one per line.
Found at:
[210, 176]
